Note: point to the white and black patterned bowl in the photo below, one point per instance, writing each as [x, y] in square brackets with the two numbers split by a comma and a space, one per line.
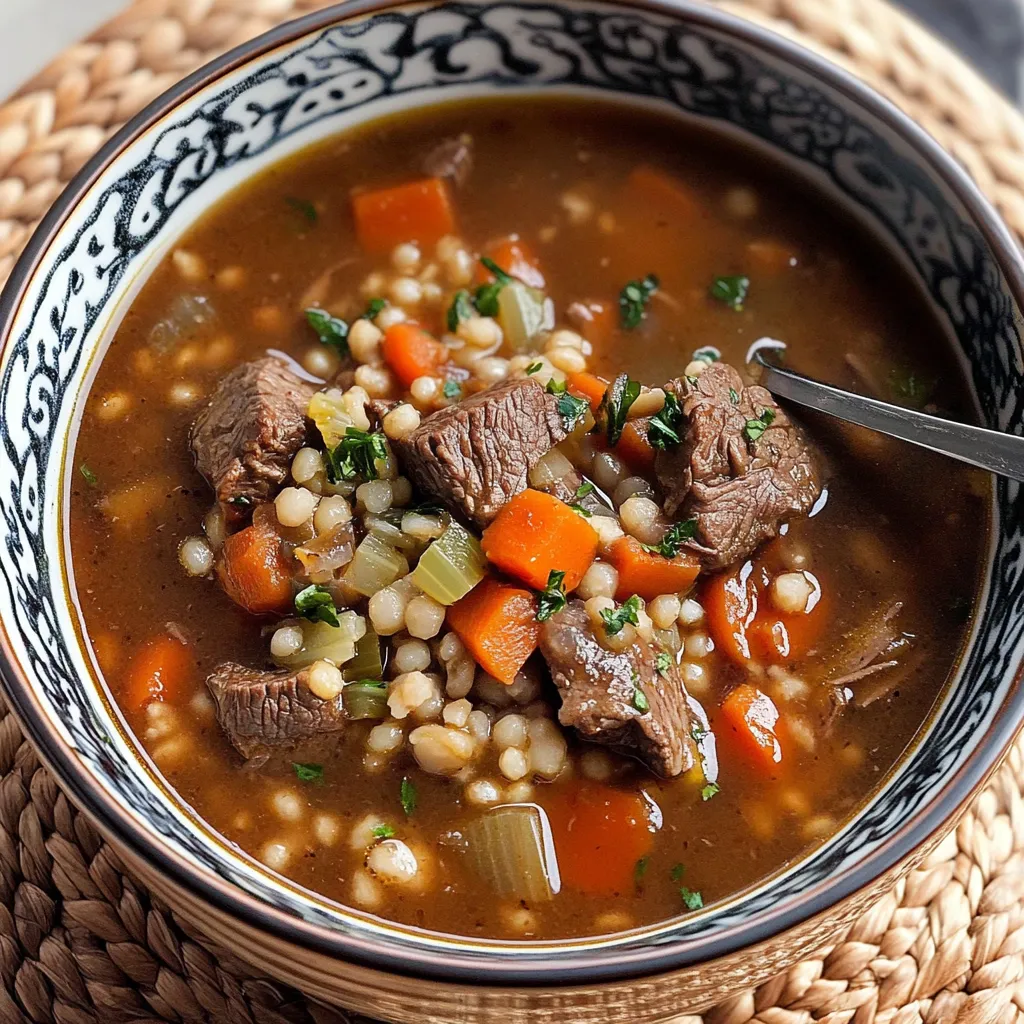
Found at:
[319, 76]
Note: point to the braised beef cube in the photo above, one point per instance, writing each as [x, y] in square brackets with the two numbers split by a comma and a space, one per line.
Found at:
[476, 455]
[245, 439]
[742, 468]
[262, 710]
[618, 699]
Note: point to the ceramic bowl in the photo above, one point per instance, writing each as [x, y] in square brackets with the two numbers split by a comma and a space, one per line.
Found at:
[322, 75]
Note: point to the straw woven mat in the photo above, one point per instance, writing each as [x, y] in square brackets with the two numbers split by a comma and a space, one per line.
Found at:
[80, 942]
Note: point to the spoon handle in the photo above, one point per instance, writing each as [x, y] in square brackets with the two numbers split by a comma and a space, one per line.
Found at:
[988, 449]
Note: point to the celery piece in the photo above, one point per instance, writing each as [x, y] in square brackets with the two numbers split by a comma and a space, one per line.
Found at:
[367, 698]
[511, 848]
[324, 642]
[367, 663]
[521, 314]
[330, 416]
[374, 565]
[451, 567]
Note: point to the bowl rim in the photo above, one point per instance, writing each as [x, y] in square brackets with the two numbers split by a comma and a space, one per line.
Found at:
[446, 965]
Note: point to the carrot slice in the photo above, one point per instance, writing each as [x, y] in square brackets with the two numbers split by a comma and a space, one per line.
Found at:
[599, 834]
[535, 533]
[659, 189]
[649, 574]
[515, 257]
[589, 385]
[498, 624]
[634, 448]
[418, 211]
[254, 571]
[730, 603]
[412, 352]
[753, 720]
[158, 672]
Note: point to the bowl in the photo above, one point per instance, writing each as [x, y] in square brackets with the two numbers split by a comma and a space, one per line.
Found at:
[318, 76]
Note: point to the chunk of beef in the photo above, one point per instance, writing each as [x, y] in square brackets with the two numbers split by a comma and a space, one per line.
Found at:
[599, 689]
[245, 439]
[477, 454]
[743, 466]
[451, 159]
[261, 710]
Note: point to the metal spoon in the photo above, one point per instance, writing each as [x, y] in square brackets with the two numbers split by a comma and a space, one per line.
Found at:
[987, 449]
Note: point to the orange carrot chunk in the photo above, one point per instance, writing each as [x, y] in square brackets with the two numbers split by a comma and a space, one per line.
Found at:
[589, 386]
[412, 352]
[516, 258]
[634, 448]
[497, 623]
[649, 574]
[535, 533]
[663, 191]
[254, 571]
[730, 602]
[158, 672]
[419, 211]
[599, 834]
[753, 719]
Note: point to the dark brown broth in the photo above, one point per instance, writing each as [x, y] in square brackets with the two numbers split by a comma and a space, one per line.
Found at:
[887, 531]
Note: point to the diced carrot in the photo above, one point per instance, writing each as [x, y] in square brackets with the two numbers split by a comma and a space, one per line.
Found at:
[599, 834]
[412, 352]
[516, 258]
[669, 194]
[634, 448]
[770, 256]
[535, 533]
[752, 719]
[158, 672]
[598, 321]
[498, 624]
[418, 211]
[649, 574]
[730, 603]
[589, 385]
[254, 571]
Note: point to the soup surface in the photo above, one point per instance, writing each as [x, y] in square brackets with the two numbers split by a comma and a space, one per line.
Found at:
[569, 658]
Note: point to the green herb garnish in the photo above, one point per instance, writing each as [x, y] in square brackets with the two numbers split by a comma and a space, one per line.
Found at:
[571, 409]
[552, 598]
[677, 872]
[640, 870]
[709, 791]
[674, 538]
[663, 662]
[697, 732]
[692, 898]
[707, 354]
[356, 454]
[329, 329]
[316, 604]
[633, 300]
[408, 797]
[240, 500]
[731, 291]
[486, 298]
[533, 368]
[90, 477]
[734, 396]
[382, 831]
[308, 772]
[640, 701]
[374, 308]
[615, 619]
[452, 389]
[621, 394]
[665, 425]
[584, 489]
[755, 428]
[577, 507]
[460, 309]
[555, 387]
[303, 206]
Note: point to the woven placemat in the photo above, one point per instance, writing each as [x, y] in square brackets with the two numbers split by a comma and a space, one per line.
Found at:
[81, 942]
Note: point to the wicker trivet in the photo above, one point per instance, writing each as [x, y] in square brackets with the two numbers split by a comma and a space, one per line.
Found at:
[81, 943]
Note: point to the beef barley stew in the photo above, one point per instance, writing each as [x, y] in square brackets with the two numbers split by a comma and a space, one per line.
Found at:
[442, 551]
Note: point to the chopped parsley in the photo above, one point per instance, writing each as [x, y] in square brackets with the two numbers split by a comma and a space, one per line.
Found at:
[633, 300]
[452, 389]
[308, 772]
[584, 489]
[691, 898]
[664, 662]
[329, 329]
[755, 428]
[382, 831]
[90, 477]
[621, 394]
[356, 454]
[533, 368]
[577, 507]
[615, 619]
[640, 701]
[552, 598]
[486, 298]
[460, 309]
[240, 500]
[734, 396]
[664, 426]
[408, 796]
[571, 409]
[640, 870]
[555, 387]
[730, 291]
[697, 732]
[374, 308]
[709, 791]
[302, 206]
[708, 354]
[316, 604]
[673, 540]
[677, 872]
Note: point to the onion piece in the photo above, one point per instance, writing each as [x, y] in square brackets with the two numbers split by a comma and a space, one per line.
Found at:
[512, 849]
[324, 642]
[451, 567]
[324, 554]
[522, 314]
[186, 316]
[367, 698]
[374, 566]
[551, 467]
